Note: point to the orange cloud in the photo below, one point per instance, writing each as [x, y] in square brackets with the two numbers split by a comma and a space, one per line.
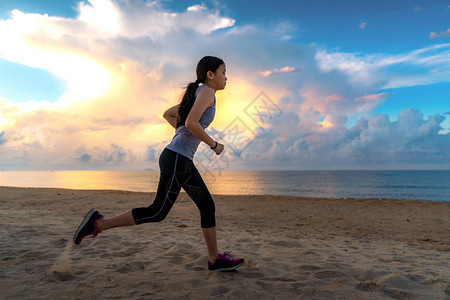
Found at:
[332, 98]
[326, 123]
[372, 97]
[114, 99]
[286, 69]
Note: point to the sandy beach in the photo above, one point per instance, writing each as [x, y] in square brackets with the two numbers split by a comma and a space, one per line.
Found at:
[300, 248]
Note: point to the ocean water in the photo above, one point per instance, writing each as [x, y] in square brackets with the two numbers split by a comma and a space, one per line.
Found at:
[412, 185]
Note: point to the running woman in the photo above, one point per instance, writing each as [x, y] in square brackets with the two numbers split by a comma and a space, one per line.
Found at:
[189, 118]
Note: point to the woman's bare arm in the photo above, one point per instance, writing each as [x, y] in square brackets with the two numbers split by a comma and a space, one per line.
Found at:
[205, 98]
[171, 115]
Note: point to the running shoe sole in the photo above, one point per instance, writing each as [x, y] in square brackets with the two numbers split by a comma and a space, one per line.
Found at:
[85, 220]
[228, 269]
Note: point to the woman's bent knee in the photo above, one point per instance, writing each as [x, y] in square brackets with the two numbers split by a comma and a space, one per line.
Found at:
[147, 215]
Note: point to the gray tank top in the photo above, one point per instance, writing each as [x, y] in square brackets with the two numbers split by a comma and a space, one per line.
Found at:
[184, 142]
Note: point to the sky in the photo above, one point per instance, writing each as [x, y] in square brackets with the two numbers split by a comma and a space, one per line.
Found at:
[312, 84]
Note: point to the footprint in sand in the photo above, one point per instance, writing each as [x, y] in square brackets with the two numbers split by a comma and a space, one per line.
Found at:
[368, 286]
[220, 290]
[61, 276]
[60, 243]
[132, 266]
[266, 286]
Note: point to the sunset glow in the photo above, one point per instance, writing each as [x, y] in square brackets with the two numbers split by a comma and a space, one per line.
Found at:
[326, 123]
[302, 94]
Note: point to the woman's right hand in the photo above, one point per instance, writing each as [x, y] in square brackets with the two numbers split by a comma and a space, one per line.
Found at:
[219, 148]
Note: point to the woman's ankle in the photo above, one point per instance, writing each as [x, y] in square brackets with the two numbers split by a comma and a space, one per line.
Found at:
[213, 257]
[99, 224]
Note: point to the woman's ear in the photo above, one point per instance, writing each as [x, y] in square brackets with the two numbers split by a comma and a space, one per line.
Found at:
[210, 75]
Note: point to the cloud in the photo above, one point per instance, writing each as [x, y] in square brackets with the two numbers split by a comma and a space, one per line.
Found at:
[116, 154]
[134, 19]
[2, 137]
[362, 25]
[123, 67]
[136, 67]
[85, 157]
[286, 69]
[151, 154]
[385, 70]
[440, 35]
[331, 98]
[372, 97]
[373, 142]
[285, 30]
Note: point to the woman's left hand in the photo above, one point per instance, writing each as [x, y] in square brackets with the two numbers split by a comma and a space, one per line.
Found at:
[219, 148]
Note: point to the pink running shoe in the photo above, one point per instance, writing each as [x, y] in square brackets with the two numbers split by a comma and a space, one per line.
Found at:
[88, 226]
[224, 262]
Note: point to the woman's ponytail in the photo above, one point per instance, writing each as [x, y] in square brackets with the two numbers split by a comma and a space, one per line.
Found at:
[187, 102]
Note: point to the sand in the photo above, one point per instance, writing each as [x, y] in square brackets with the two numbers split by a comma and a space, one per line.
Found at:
[300, 248]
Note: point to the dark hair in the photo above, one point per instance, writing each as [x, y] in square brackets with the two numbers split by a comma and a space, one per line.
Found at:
[207, 63]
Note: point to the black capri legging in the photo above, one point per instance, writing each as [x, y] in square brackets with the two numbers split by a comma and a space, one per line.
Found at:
[177, 171]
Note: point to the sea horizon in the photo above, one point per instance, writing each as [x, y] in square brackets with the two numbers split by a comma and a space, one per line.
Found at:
[428, 185]
[233, 169]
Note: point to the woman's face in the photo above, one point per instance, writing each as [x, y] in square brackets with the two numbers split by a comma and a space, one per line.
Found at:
[220, 79]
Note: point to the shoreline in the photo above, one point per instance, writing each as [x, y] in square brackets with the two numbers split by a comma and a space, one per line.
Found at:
[294, 247]
[232, 195]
